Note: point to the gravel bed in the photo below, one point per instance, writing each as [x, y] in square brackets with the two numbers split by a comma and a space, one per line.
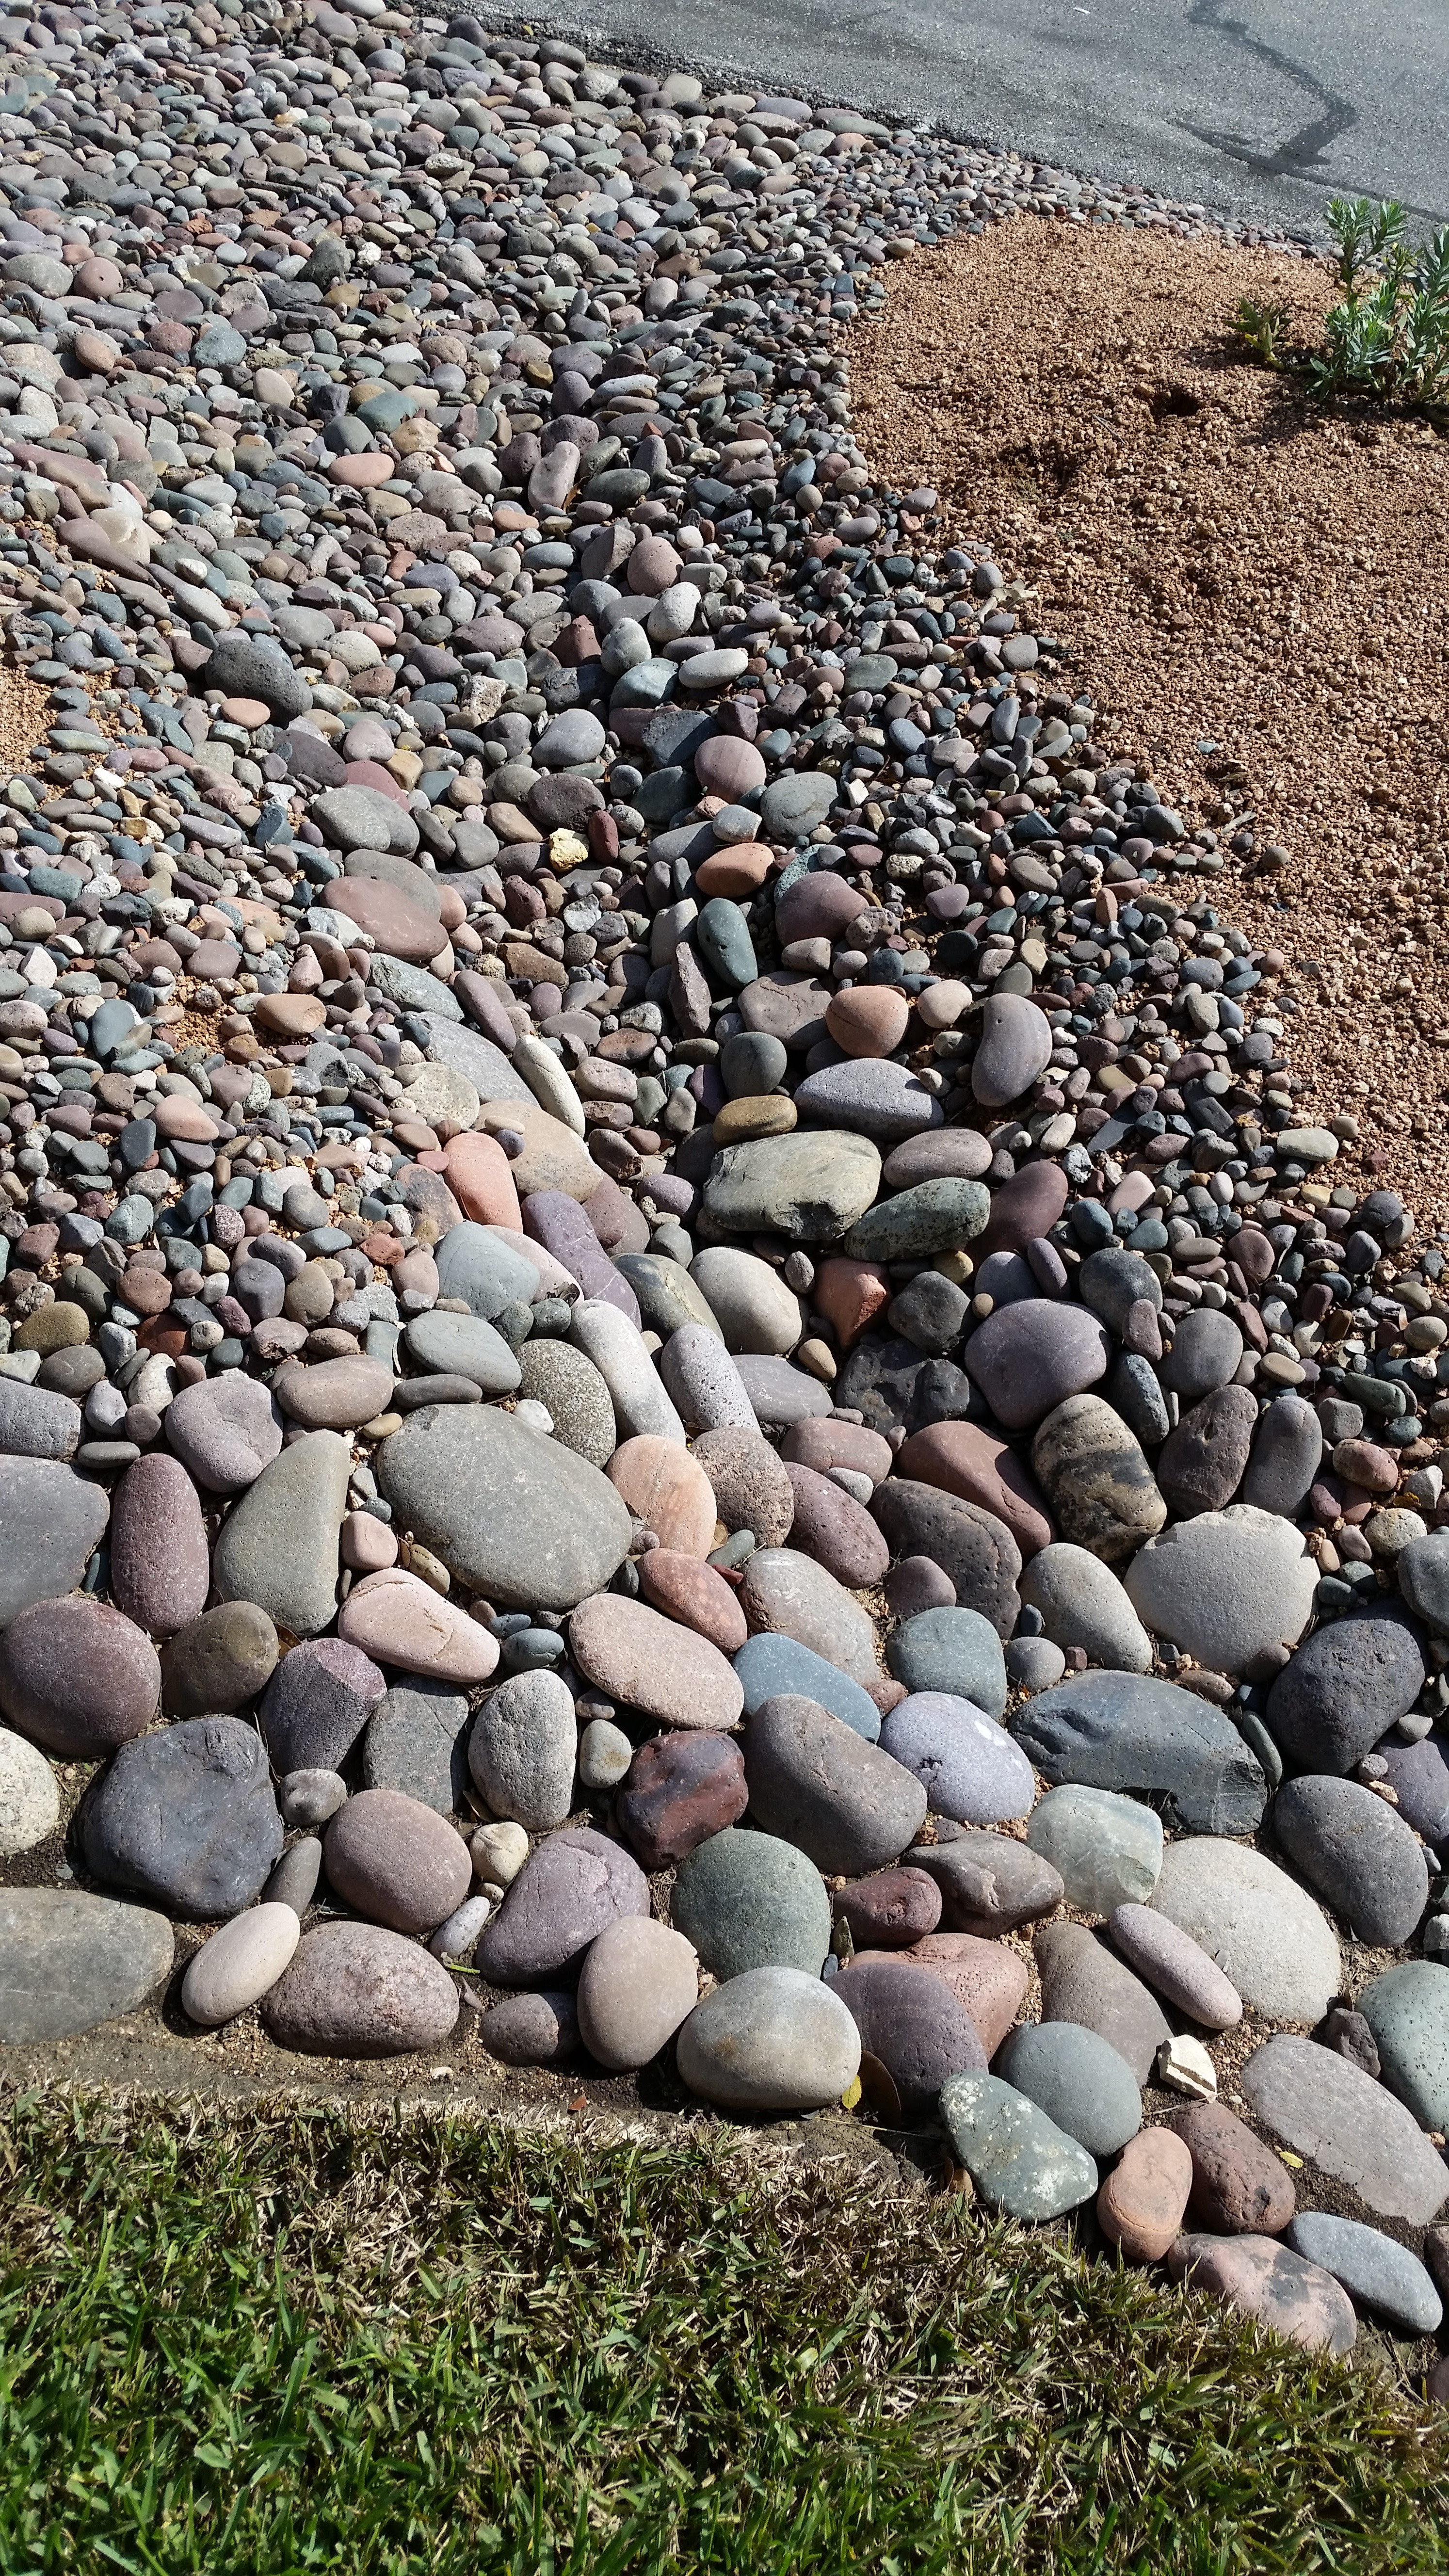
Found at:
[667, 1286]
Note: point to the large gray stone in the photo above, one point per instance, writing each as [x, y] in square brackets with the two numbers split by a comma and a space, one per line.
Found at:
[520, 1519]
[73, 1961]
[187, 1815]
[1108, 1850]
[577, 1399]
[1226, 1587]
[35, 1423]
[770, 2040]
[819, 1785]
[51, 1522]
[809, 1187]
[417, 1741]
[1325, 2108]
[1286, 1456]
[476, 1264]
[1126, 1731]
[1083, 1603]
[974, 1549]
[965, 1762]
[748, 1900]
[956, 1651]
[1016, 1042]
[1344, 1688]
[1376, 2272]
[1030, 1356]
[1078, 2079]
[869, 1096]
[1407, 2009]
[989, 1884]
[462, 1346]
[523, 1749]
[278, 1543]
[1268, 1937]
[1423, 1571]
[1356, 1852]
[359, 1990]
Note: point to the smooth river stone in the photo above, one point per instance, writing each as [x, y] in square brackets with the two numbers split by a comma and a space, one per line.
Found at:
[1101, 1488]
[1239, 2186]
[1173, 1964]
[651, 1663]
[1268, 1937]
[1108, 1850]
[187, 1815]
[975, 1550]
[1345, 1687]
[401, 1620]
[791, 1595]
[239, 1964]
[965, 1762]
[35, 1423]
[913, 2025]
[359, 1990]
[522, 1520]
[1015, 1046]
[29, 1795]
[1225, 1587]
[989, 1883]
[836, 1530]
[753, 1307]
[1352, 2128]
[278, 1544]
[869, 1097]
[817, 1784]
[74, 1961]
[1407, 2009]
[623, 1361]
[1082, 1980]
[987, 1977]
[936, 1216]
[462, 1346]
[78, 1677]
[333, 1395]
[1356, 1854]
[570, 1388]
[224, 1430]
[1120, 1731]
[961, 1458]
[1078, 2079]
[563, 1896]
[809, 1187]
[1029, 1357]
[1376, 2272]
[51, 1522]
[668, 1491]
[681, 1790]
[769, 2040]
[396, 1861]
[1268, 2281]
[317, 1704]
[1200, 1464]
[523, 1750]
[703, 1383]
[1141, 2204]
[695, 1595]
[532, 2029]
[638, 1983]
[773, 1666]
[751, 1488]
[889, 1910]
[160, 1561]
[1018, 2159]
[1083, 1603]
[955, 1651]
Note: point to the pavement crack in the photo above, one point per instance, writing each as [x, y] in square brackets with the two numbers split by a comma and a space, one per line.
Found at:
[1301, 155]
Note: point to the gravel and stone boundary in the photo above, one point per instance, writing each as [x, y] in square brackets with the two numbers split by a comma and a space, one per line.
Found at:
[665, 1290]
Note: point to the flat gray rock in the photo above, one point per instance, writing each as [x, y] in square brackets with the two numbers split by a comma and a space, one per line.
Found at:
[811, 1188]
[965, 1761]
[770, 2040]
[1376, 2271]
[1356, 1853]
[477, 1059]
[1266, 1934]
[74, 1961]
[1225, 1586]
[974, 1549]
[749, 1900]
[1078, 2079]
[278, 1543]
[1018, 2159]
[1107, 1849]
[51, 1522]
[1327, 2109]
[1126, 1731]
[36, 1424]
[187, 1815]
[1083, 1603]
[1407, 2009]
[819, 1785]
[417, 1741]
[989, 1883]
[517, 1517]
[463, 1346]
[554, 1374]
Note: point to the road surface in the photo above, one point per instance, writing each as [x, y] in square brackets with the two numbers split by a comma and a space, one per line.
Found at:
[1260, 108]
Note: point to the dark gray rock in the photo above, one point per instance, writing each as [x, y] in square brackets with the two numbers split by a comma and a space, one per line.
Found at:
[971, 1546]
[417, 1741]
[220, 1662]
[747, 1900]
[1202, 1462]
[1345, 1687]
[1419, 1776]
[1361, 1857]
[1350, 2127]
[1131, 1733]
[35, 1423]
[1029, 1357]
[187, 1816]
[817, 1784]
[1206, 1349]
[1286, 1457]
[1423, 1571]
[1078, 2079]
[522, 1520]
[318, 1703]
[989, 1884]
[532, 2029]
[563, 1896]
[1082, 1980]
[1407, 2009]
[51, 1522]
[1113, 1281]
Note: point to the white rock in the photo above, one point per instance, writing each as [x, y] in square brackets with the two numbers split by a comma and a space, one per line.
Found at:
[548, 1082]
[29, 1795]
[1185, 2067]
[240, 1964]
[498, 1853]
[618, 1352]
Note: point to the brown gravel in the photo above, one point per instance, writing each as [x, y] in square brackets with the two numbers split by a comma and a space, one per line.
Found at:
[1226, 566]
[25, 718]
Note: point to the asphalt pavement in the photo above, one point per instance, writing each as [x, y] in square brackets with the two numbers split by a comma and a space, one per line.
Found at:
[1263, 109]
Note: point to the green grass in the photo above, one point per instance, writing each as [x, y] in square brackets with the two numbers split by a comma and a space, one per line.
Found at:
[289, 2340]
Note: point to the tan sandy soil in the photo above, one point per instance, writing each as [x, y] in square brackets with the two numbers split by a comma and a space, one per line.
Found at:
[1229, 567]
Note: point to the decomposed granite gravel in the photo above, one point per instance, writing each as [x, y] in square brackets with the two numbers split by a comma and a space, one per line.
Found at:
[694, 1398]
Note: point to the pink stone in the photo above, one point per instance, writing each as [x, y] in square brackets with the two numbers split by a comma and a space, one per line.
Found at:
[849, 1294]
[368, 1545]
[868, 1019]
[668, 1491]
[399, 1620]
[178, 1117]
[481, 1180]
[363, 473]
[961, 1458]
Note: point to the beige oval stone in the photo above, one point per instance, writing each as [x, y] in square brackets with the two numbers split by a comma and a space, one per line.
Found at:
[398, 1619]
[639, 1982]
[240, 1964]
[868, 1019]
[333, 1395]
[653, 1664]
[667, 1490]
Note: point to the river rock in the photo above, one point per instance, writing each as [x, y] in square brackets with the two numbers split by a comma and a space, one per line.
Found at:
[224, 1430]
[78, 1677]
[1268, 1937]
[160, 1563]
[1141, 2204]
[1358, 1855]
[1423, 1571]
[668, 1491]
[573, 1885]
[1018, 2159]
[952, 1651]
[359, 1990]
[36, 1423]
[1100, 1486]
[972, 1547]
[960, 1458]
[809, 1187]
[51, 1521]
[220, 1661]
[638, 1983]
[1202, 1462]
[1376, 2272]
[1173, 1964]
[1107, 1850]
[1238, 2184]
[1129, 1731]
[1286, 1456]
[402, 1620]
[912, 2025]
[1265, 2280]
[987, 1977]
[836, 1530]
[1344, 1689]
[317, 1704]
[754, 1308]
[396, 1861]
[791, 1595]
[965, 1762]
[1079, 2081]
[817, 1784]
[522, 1520]
[29, 1795]
[74, 1961]
[1327, 2109]
[1015, 1046]
[751, 1488]
[239, 1964]
[417, 1741]
[522, 1750]
[1029, 1357]
[1225, 1587]
[653, 1664]
[187, 1816]
[1407, 2009]
[569, 1387]
[1082, 1981]
[532, 2030]
[775, 1667]
[769, 2040]
[989, 1884]
[891, 1910]
[278, 1544]
[679, 1791]
[1082, 1603]
[462, 1346]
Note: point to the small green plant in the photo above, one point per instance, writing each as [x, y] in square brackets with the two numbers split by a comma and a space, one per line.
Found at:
[1264, 328]
[1388, 338]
